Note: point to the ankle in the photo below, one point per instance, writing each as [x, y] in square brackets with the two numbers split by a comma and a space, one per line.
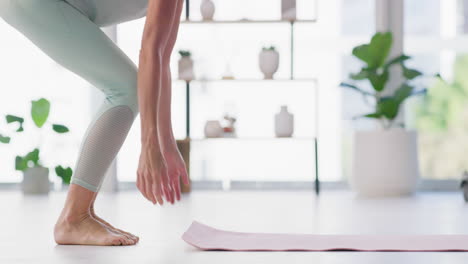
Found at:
[70, 216]
[78, 204]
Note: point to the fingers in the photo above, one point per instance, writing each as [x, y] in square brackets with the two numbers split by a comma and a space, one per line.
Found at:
[142, 186]
[147, 187]
[176, 186]
[162, 184]
[165, 187]
[170, 194]
[157, 191]
[184, 176]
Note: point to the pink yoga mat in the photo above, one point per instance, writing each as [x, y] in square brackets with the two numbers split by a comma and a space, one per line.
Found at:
[207, 238]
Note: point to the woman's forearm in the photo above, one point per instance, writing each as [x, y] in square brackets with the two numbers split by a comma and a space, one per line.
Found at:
[165, 131]
[149, 86]
[164, 114]
[150, 74]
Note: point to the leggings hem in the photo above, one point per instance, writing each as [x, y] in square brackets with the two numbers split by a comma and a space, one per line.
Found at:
[85, 185]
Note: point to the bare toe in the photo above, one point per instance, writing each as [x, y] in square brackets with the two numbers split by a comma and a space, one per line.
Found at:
[129, 235]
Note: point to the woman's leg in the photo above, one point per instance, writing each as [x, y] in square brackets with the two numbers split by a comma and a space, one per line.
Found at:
[78, 44]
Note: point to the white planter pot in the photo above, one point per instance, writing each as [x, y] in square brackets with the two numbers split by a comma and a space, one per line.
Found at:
[207, 10]
[284, 123]
[288, 10]
[269, 62]
[36, 181]
[385, 163]
[186, 69]
[213, 129]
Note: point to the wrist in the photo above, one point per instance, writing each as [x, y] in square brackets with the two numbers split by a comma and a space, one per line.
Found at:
[149, 138]
[168, 144]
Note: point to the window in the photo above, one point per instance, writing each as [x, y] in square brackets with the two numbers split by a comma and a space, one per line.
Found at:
[441, 116]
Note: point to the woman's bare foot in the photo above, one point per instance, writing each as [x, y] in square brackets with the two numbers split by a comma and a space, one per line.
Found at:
[85, 230]
[77, 226]
[114, 229]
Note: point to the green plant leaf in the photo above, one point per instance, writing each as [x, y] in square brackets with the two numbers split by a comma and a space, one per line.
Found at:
[21, 164]
[402, 93]
[40, 111]
[12, 119]
[363, 74]
[388, 107]
[65, 174]
[378, 81]
[376, 52]
[60, 128]
[33, 156]
[373, 115]
[354, 87]
[362, 52]
[4, 139]
[185, 53]
[410, 73]
[398, 59]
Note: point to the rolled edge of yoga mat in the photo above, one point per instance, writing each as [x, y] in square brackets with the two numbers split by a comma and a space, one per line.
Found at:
[205, 237]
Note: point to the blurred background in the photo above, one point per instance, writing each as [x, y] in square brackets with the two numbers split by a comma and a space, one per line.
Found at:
[315, 56]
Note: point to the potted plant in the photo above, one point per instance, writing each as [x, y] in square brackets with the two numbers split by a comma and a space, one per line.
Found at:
[385, 160]
[35, 175]
[186, 66]
[269, 61]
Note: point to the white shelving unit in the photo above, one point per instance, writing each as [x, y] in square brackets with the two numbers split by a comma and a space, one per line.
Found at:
[291, 78]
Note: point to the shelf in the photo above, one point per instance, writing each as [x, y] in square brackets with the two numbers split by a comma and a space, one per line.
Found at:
[252, 139]
[250, 80]
[248, 21]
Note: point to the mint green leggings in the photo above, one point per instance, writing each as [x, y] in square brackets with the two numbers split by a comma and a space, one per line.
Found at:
[71, 38]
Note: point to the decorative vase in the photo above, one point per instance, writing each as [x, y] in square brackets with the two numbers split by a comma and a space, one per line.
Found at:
[36, 181]
[269, 62]
[385, 163]
[284, 123]
[288, 10]
[213, 129]
[186, 69]
[207, 9]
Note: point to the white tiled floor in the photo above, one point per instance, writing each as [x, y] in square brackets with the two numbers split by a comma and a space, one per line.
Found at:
[26, 225]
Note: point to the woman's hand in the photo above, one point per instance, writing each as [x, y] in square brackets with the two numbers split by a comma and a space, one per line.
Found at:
[176, 171]
[152, 175]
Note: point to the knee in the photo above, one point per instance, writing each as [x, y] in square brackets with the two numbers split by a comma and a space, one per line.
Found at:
[131, 100]
[124, 93]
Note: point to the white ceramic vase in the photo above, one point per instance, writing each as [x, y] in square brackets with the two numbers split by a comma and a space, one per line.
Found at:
[36, 181]
[269, 62]
[213, 129]
[186, 69]
[288, 10]
[385, 163]
[207, 9]
[284, 123]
